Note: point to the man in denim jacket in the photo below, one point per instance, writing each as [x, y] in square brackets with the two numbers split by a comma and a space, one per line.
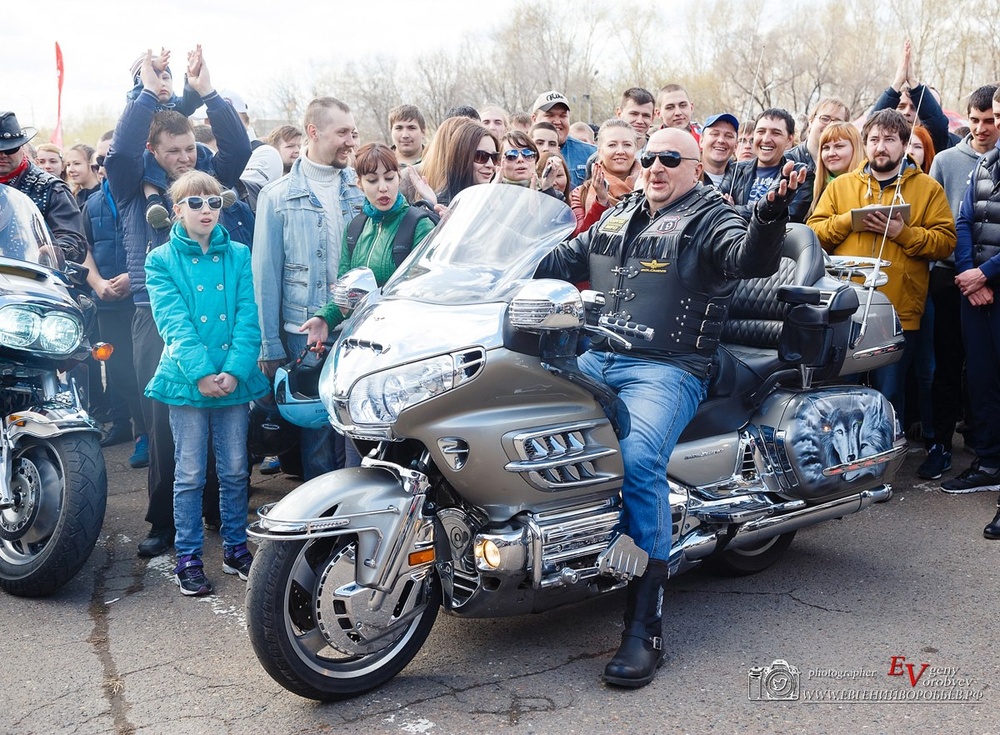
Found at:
[301, 220]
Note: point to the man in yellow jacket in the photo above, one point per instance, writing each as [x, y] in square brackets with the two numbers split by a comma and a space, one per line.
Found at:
[887, 176]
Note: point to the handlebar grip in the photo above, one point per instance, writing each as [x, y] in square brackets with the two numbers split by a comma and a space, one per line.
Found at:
[627, 328]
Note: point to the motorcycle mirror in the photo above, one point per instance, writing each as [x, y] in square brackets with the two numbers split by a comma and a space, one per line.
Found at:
[547, 304]
[351, 288]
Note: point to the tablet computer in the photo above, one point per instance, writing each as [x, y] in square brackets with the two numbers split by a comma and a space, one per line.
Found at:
[858, 215]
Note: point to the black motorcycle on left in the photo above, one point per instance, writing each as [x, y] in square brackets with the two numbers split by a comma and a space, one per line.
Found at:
[53, 482]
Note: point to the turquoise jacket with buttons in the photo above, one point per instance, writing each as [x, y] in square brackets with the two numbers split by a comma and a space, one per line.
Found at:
[204, 309]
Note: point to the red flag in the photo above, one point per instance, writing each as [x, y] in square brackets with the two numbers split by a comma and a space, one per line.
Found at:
[57, 133]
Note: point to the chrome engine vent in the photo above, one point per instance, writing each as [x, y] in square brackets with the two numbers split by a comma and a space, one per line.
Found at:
[561, 458]
[569, 539]
[748, 467]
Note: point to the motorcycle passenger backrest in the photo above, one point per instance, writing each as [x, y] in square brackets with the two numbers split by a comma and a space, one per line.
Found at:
[755, 314]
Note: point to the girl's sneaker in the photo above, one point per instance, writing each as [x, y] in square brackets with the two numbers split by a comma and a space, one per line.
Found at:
[190, 576]
[237, 561]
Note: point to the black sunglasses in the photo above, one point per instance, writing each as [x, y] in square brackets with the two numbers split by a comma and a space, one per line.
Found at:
[482, 157]
[95, 167]
[195, 202]
[10, 151]
[670, 159]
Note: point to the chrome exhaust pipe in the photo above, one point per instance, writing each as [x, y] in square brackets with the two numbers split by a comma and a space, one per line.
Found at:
[754, 532]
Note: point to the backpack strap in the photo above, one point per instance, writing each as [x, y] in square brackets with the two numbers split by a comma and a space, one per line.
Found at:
[403, 243]
[354, 229]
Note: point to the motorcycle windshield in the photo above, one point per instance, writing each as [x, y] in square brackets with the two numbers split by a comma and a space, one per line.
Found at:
[491, 239]
[23, 234]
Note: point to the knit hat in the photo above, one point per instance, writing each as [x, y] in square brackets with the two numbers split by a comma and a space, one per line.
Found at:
[136, 68]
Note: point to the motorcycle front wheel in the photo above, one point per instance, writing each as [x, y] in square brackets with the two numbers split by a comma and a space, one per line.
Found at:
[312, 629]
[60, 489]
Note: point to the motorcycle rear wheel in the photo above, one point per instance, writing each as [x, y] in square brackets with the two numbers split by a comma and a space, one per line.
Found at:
[741, 562]
[61, 491]
[291, 621]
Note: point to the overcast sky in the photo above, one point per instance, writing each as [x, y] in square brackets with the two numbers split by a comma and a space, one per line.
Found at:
[247, 45]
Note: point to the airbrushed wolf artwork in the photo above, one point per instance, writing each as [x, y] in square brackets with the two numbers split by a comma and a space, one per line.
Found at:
[839, 429]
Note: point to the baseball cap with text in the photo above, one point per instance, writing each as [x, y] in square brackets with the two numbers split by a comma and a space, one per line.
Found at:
[547, 100]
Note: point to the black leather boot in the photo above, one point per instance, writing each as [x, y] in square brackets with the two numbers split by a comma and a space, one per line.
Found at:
[992, 531]
[641, 651]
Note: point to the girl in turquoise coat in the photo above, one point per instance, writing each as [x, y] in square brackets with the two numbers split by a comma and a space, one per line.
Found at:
[201, 295]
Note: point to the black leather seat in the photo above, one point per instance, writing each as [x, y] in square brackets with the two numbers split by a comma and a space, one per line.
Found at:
[749, 350]
[755, 314]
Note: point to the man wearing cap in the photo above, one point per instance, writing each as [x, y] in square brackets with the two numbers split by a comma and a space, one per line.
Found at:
[239, 104]
[718, 144]
[553, 107]
[669, 257]
[51, 195]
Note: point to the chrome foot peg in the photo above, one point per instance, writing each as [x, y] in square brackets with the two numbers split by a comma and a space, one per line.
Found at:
[623, 559]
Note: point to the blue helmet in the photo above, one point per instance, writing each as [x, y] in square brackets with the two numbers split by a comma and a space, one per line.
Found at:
[296, 391]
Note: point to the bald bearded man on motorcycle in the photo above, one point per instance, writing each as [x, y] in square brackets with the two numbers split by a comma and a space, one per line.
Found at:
[668, 257]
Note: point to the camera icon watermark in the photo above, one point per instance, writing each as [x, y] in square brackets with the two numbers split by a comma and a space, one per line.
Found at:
[777, 682]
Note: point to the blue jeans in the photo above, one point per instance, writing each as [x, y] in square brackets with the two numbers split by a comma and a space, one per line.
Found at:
[660, 401]
[322, 449]
[190, 427]
[890, 380]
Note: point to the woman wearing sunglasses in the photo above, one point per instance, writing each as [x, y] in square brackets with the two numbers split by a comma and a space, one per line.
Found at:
[517, 164]
[466, 156]
[201, 295]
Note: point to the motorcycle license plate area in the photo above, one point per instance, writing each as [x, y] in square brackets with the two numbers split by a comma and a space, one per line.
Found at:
[830, 442]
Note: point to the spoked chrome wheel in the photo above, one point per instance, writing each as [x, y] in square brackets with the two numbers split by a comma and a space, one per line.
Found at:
[323, 636]
[59, 486]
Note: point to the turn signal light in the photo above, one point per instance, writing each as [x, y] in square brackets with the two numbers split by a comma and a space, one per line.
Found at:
[102, 350]
[424, 556]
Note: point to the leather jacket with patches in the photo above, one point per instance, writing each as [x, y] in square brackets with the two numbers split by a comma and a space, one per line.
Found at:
[674, 270]
[58, 207]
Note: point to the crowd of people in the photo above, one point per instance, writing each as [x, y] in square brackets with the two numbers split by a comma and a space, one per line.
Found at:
[211, 253]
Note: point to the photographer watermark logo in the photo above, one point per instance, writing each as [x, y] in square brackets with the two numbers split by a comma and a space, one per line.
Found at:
[905, 681]
[777, 682]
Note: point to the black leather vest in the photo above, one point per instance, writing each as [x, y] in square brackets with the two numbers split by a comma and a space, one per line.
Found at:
[986, 208]
[642, 282]
[37, 184]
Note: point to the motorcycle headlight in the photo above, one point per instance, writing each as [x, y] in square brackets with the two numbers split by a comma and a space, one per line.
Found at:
[60, 333]
[19, 327]
[380, 398]
[26, 329]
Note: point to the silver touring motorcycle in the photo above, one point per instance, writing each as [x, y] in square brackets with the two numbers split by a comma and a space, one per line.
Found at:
[53, 482]
[492, 484]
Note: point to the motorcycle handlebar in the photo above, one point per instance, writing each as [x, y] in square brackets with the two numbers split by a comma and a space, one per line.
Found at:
[627, 328]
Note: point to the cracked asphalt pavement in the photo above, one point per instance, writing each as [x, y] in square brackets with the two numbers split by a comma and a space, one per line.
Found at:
[858, 606]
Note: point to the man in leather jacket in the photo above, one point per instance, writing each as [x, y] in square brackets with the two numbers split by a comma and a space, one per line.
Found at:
[50, 194]
[668, 257]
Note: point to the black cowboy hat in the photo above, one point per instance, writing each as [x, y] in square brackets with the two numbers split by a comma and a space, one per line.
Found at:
[12, 135]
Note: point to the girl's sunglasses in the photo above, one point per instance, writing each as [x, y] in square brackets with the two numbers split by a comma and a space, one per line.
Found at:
[215, 202]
